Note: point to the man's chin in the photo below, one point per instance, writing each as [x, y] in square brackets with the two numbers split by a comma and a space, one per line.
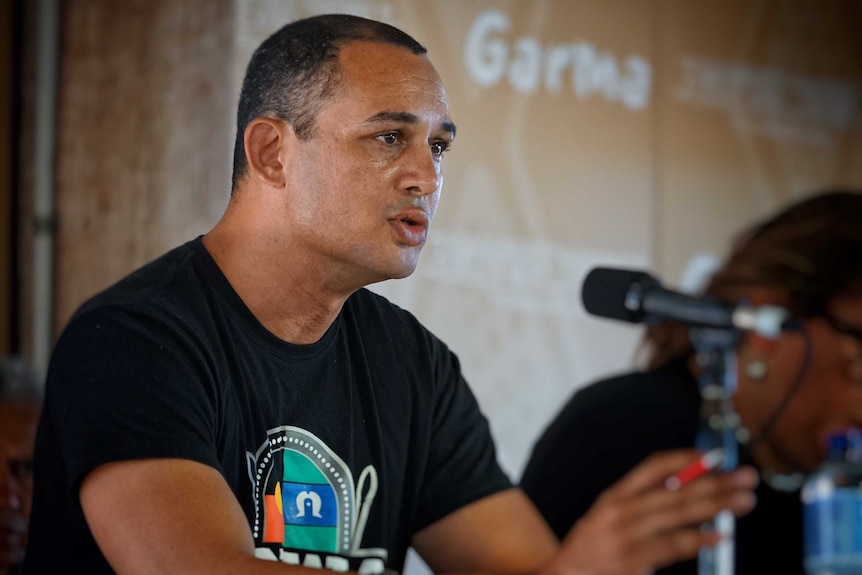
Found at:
[401, 272]
[399, 275]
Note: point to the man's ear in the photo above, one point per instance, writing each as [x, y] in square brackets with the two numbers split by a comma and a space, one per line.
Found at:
[265, 140]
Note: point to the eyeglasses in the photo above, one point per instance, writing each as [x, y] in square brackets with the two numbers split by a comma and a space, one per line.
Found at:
[843, 327]
[21, 469]
[855, 364]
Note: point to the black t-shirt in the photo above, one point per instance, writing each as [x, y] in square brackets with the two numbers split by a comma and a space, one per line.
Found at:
[338, 451]
[609, 427]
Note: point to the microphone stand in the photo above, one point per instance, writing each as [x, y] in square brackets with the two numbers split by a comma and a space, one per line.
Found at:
[716, 356]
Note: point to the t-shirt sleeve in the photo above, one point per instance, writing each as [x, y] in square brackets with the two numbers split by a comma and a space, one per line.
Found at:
[122, 388]
[605, 430]
[462, 464]
[574, 460]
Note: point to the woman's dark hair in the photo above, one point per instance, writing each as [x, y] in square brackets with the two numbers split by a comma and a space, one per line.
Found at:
[811, 251]
[296, 69]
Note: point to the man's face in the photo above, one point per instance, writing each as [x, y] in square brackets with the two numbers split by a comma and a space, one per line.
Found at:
[17, 438]
[368, 181]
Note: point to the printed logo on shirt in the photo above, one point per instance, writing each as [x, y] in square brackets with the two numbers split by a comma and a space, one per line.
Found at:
[308, 508]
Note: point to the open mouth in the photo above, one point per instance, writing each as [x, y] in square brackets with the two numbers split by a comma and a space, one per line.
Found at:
[411, 227]
[413, 218]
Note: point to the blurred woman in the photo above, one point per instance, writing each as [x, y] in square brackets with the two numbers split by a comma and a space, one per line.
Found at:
[793, 391]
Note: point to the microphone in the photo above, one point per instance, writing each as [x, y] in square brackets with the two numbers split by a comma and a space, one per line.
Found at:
[636, 297]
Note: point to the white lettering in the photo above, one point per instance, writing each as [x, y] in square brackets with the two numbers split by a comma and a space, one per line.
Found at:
[312, 560]
[781, 105]
[526, 64]
[526, 69]
[333, 562]
[558, 57]
[636, 85]
[265, 553]
[372, 566]
[486, 59]
[595, 73]
[337, 564]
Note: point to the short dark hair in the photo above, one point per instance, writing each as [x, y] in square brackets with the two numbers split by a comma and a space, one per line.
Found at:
[294, 70]
[811, 250]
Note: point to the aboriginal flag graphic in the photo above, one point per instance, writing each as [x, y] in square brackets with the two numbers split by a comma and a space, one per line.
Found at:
[306, 500]
[302, 511]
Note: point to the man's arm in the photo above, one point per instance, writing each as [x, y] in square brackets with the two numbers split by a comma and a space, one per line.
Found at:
[635, 526]
[502, 533]
[179, 516]
[170, 516]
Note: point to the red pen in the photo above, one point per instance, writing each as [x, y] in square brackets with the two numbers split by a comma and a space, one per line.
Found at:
[705, 463]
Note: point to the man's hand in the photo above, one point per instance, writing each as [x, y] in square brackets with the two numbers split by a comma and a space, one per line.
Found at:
[638, 525]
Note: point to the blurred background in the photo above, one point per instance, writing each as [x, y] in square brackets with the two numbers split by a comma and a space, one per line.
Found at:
[630, 133]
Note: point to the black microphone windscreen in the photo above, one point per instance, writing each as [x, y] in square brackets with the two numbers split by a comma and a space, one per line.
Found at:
[605, 289]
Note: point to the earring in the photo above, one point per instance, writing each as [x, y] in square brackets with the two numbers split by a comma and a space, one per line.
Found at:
[756, 370]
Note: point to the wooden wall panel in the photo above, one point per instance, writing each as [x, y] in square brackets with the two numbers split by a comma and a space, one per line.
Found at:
[25, 142]
[144, 135]
[7, 36]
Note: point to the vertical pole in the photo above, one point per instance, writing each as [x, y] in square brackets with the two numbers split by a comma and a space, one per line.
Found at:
[47, 55]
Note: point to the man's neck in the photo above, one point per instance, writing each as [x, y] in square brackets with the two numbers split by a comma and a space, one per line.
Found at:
[288, 296]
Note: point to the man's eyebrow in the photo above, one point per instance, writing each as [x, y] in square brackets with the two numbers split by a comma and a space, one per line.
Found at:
[407, 118]
[449, 126]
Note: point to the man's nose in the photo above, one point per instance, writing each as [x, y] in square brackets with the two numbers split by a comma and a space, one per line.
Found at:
[423, 175]
[10, 487]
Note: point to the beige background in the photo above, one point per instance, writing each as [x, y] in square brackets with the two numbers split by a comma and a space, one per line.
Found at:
[618, 132]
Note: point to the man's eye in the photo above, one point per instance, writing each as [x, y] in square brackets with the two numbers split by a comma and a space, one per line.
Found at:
[389, 138]
[21, 468]
[438, 148]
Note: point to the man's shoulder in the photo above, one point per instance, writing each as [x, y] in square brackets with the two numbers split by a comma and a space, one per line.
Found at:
[170, 281]
[389, 328]
[378, 312]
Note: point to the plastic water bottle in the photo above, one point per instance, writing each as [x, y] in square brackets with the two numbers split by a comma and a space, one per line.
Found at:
[832, 507]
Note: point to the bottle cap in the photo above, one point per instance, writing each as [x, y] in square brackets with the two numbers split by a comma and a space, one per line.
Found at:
[854, 445]
[846, 445]
[837, 446]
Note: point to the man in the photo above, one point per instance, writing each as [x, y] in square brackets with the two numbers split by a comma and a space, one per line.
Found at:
[20, 403]
[244, 405]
